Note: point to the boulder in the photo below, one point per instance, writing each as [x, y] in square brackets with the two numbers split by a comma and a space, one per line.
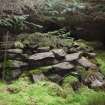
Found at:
[86, 63]
[73, 56]
[42, 59]
[59, 53]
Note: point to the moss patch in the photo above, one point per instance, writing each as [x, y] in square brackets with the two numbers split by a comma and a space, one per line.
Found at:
[47, 93]
[101, 60]
[69, 80]
[40, 70]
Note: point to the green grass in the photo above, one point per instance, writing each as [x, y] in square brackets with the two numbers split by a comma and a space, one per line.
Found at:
[23, 92]
[41, 93]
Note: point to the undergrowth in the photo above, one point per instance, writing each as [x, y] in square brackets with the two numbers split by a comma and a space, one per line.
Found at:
[22, 92]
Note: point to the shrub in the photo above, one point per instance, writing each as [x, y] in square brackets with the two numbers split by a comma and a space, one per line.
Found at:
[44, 39]
[14, 24]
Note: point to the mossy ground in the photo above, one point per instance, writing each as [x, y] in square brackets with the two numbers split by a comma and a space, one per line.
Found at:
[23, 92]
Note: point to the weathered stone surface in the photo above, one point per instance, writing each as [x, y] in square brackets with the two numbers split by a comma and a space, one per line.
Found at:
[85, 63]
[42, 59]
[59, 53]
[63, 66]
[17, 51]
[41, 56]
[38, 77]
[73, 56]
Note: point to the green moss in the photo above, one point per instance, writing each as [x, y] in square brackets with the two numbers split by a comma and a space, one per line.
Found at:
[42, 93]
[22, 92]
[68, 83]
[83, 44]
[86, 96]
[69, 80]
[101, 60]
[39, 70]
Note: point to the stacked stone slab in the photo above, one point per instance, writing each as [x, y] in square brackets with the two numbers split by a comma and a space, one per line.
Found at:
[57, 63]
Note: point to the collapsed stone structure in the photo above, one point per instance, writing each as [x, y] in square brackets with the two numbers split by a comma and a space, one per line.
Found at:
[54, 64]
[46, 62]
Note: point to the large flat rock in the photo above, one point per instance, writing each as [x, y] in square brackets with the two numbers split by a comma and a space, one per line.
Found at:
[73, 56]
[63, 66]
[41, 56]
[42, 59]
